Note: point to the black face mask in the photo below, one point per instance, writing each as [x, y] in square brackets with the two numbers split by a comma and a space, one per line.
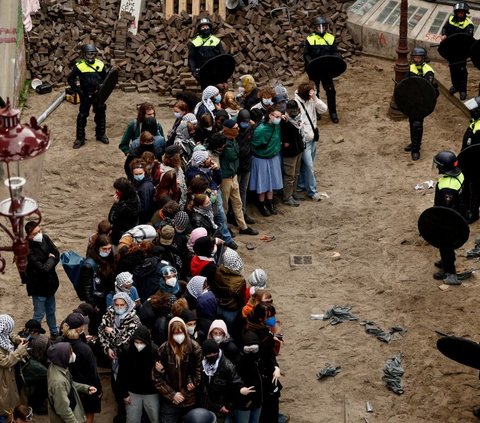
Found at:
[146, 147]
[205, 32]
[212, 359]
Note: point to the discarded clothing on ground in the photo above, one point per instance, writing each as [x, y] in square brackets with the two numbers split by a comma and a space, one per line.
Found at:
[328, 370]
[338, 314]
[392, 374]
[393, 333]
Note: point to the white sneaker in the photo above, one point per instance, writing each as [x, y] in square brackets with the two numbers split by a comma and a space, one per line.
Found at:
[316, 197]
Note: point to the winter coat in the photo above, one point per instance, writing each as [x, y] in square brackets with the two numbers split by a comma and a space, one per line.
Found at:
[214, 177]
[10, 396]
[145, 191]
[312, 106]
[92, 287]
[120, 337]
[64, 404]
[230, 159]
[176, 378]
[292, 136]
[229, 288]
[42, 279]
[147, 277]
[222, 389]
[135, 368]
[266, 141]
[245, 155]
[133, 132]
[251, 368]
[123, 216]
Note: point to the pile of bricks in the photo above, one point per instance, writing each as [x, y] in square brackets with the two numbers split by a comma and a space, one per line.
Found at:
[267, 45]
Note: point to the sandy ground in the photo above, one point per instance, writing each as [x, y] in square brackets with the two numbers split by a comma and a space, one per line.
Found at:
[384, 270]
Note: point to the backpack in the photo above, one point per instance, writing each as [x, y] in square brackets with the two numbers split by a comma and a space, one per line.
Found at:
[72, 263]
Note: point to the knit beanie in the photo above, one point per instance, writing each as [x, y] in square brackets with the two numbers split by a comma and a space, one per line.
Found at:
[181, 221]
[258, 279]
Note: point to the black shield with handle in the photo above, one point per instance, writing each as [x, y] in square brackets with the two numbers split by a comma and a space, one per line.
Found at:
[107, 87]
[461, 350]
[217, 70]
[456, 47]
[415, 97]
[326, 67]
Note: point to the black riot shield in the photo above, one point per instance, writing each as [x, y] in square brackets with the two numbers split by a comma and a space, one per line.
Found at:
[461, 350]
[475, 54]
[415, 97]
[443, 227]
[468, 162]
[217, 70]
[108, 85]
[456, 47]
[326, 67]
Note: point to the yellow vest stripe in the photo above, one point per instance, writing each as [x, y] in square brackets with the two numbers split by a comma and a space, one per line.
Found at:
[211, 41]
[318, 40]
[84, 67]
[424, 69]
[461, 25]
[451, 182]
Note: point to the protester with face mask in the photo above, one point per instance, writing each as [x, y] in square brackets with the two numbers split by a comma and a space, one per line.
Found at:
[64, 403]
[97, 277]
[190, 319]
[169, 282]
[211, 102]
[41, 277]
[265, 95]
[177, 373]
[292, 149]
[266, 172]
[221, 384]
[135, 378]
[180, 109]
[124, 283]
[145, 189]
[114, 333]
[84, 368]
[219, 333]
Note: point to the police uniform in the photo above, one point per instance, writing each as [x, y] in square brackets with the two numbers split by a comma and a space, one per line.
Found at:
[91, 77]
[316, 46]
[472, 187]
[449, 193]
[458, 70]
[416, 125]
[200, 50]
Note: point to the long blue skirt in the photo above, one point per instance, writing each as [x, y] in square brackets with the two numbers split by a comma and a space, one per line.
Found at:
[266, 174]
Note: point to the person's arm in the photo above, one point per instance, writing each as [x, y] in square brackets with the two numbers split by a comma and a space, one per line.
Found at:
[159, 377]
[430, 77]
[58, 396]
[53, 249]
[85, 283]
[128, 135]
[192, 63]
[72, 79]
[307, 56]
[470, 29]
[36, 262]
[320, 105]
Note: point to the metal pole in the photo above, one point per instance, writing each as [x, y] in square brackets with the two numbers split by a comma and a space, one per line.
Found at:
[401, 65]
[51, 108]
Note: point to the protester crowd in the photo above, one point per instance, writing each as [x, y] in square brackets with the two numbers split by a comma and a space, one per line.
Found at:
[165, 304]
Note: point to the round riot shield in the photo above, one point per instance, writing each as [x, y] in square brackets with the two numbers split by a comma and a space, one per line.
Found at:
[325, 67]
[443, 227]
[468, 162]
[108, 85]
[415, 97]
[217, 70]
[456, 47]
[475, 54]
[461, 350]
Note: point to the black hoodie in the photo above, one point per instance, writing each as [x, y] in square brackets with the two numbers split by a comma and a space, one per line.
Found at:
[135, 368]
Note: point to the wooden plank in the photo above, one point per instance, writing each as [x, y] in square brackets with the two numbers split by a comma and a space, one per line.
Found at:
[222, 10]
[209, 6]
[195, 7]
[182, 6]
[168, 8]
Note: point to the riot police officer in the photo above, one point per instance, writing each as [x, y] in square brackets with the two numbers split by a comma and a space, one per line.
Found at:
[321, 43]
[448, 193]
[91, 72]
[202, 48]
[458, 23]
[418, 67]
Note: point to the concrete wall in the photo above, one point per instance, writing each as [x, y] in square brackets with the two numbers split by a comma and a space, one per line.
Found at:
[375, 24]
[12, 50]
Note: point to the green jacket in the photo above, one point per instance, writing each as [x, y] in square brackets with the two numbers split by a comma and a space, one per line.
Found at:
[230, 159]
[132, 133]
[60, 384]
[266, 142]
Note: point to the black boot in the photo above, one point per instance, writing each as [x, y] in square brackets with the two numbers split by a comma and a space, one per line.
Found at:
[331, 101]
[80, 131]
[263, 209]
[408, 148]
[271, 207]
[416, 133]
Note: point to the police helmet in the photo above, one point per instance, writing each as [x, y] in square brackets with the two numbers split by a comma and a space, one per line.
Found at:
[447, 163]
[204, 21]
[461, 6]
[89, 48]
[419, 51]
[320, 20]
[200, 415]
[168, 270]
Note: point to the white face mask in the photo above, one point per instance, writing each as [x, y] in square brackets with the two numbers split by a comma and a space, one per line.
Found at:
[171, 281]
[177, 115]
[73, 357]
[191, 329]
[104, 253]
[218, 338]
[38, 237]
[179, 338]
[140, 347]
[267, 101]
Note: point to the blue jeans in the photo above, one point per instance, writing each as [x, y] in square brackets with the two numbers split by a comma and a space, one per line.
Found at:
[221, 220]
[42, 306]
[306, 179]
[247, 416]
